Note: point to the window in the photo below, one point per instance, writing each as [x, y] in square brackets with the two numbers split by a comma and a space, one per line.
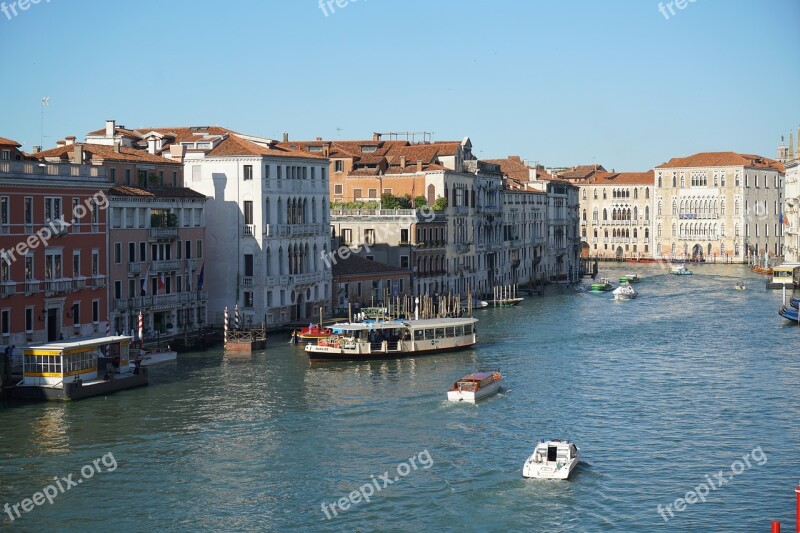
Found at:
[52, 266]
[356, 194]
[595, 194]
[28, 208]
[248, 299]
[117, 253]
[117, 290]
[52, 209]
[188, 245]
[279, 170]
[197, 172]
[373, 193]
[403, 236]
[338, 166]
[248, 211]
[95, 263]
[404, 261]
[347, 236]
[369, 236]
[4, 211]
[174, 178]
[198, 249]
[142, 251]
[127, 176]
[95, 311]
[28, 319]
[338, 189]
[248, 172]
[5, 155]
[5, 322]
[248, 265]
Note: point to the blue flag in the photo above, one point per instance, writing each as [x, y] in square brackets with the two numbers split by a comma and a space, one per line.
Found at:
[200, 277]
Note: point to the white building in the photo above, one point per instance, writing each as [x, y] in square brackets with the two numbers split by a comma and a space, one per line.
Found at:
[266, 219]
[791, 209]
[714, 205]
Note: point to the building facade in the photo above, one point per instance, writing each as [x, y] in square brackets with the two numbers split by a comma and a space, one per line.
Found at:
[615, 215]
[718, 206]
[53, 277]
[790, 157]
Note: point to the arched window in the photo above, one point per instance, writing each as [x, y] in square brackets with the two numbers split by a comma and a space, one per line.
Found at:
[635, 233]
[722, 230]
[659, 181]
[605, 215]
[659, 231]
[674, 207]
[635, 194]
[584, 193]
[635, 213]
[595, 194]
[647, 212]
[674, 180]
[647, 193]
[604, 194]
[673, 230]
[736, 207]
[646, 233]
[659, 208]
[584, 215]
[595, 233]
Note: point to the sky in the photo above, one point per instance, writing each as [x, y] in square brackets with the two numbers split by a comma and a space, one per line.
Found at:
[614, 82]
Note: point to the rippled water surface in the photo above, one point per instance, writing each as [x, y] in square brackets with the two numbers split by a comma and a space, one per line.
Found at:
[658, 392]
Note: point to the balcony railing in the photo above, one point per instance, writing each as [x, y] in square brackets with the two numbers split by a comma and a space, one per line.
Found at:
[31, 287]
[134, 269]
[247, 282]
[98, 282]
[164, 233]
[8, 288]
[293, 230]
[162, 301]
[248, 230]
[63, 285]
[78, 283]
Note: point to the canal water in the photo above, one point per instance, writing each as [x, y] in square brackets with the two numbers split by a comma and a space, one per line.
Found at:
[662, 394]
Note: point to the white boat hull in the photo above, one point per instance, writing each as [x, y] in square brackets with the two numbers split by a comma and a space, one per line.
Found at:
[473, 396]
[158, 357]
[549, 469]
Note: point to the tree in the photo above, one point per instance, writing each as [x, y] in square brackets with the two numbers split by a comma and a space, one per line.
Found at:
[440, 204]
[420, 201]
[390, 201]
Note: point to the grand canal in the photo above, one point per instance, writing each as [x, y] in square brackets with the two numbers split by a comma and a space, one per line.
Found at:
[661, 393]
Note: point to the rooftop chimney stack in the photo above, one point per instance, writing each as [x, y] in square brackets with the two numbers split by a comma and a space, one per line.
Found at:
[285, 137]
[37, 149]
[419, 165]
[111, 128]
[116, 147]
[70, 140]
[60, 143]
[376, 136]
[77, 156]
[319, 138]
[402, 161]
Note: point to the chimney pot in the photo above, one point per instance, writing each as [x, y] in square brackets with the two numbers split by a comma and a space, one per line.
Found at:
[285, 137]
[116, 147]
[77, 156]
[111, 127]
[70, 140]
[326, 150]
[402, 161]
[376, 136]
[419, 165]
[61, 143]
[37, 149]
[319, 138]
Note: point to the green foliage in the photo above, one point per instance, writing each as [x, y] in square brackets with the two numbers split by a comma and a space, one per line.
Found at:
[390, 201]
[440, 204]
[353, 205]
[420, 201]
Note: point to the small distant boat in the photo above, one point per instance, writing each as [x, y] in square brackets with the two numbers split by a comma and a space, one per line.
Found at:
[790, 314]
[681, 270]
[475, 386]
[476, 304]
[552, 459]
[149, 357]
[505, 302]
[740, 287]
[314, 331]
[601, 286]
[625, 292]
[630, 278]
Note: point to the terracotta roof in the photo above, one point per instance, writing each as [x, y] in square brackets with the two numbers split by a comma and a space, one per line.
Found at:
[106, 153]
[513, 168]
[235, 145]
[158, 192]
[622, 178]
[356, 265]
[8, 142]
[722, 159]
[581, 172]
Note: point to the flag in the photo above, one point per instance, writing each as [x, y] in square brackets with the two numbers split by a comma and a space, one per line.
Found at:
[161, 281]
[784, 219]
[144, 280]
[200, 277]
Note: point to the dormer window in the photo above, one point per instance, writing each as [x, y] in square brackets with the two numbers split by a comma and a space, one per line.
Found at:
[315, 149]
[368, 149]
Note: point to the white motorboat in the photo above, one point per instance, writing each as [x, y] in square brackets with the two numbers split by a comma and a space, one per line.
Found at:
[147, 358]
[681, 270]
[740, 286]
[552, 459]
[475, 386]
[625, 292]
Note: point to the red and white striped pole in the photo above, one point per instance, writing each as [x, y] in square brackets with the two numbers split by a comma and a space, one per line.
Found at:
[776, 526]
[797, 523]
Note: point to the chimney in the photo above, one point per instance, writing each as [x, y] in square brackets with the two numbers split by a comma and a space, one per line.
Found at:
[515, 158]
[177, 151]
[70, 140]
[111, 128]
[116, 147]
[376, 136]
[319, 138]
[326, 150]
[61, 143]
[402, 161]
[419, 165]
[37, 149]
[152, 145]
[285, 137]
[77, 156]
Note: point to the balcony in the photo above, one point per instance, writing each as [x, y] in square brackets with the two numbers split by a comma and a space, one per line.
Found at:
[163, 233]
[98, 282]
[57, 287]
[190, 264]
[463, 247]
[306, 279]
[31, 287]
[134, 269]
[78, 283]
[247, 282]
[164, 266]
[8, 288]
[294, 230]
[248, 230]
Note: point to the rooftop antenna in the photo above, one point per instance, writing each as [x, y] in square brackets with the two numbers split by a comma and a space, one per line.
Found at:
[45, 103]
[339, 132]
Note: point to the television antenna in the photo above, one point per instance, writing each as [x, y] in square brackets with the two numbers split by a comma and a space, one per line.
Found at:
[45, 103]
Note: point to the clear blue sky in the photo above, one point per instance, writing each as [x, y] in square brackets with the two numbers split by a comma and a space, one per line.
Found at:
[560, 82]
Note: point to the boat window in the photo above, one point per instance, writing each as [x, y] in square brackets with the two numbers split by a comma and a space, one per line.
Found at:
[440, 333]
[429, 334]
[459, 331]
[450, 332]
[552, 452]
[419, 334]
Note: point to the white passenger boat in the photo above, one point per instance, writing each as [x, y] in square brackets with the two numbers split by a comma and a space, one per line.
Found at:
[552, 459]
[681, 270]
[148, 357]
[475, 386]
[392, 339]
[625, 292]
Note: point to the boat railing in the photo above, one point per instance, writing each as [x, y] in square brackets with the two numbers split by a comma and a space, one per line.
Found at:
[376, 347]
[392, 346]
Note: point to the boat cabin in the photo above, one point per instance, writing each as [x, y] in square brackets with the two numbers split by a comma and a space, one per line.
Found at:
[53, 364]
[785, 275]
